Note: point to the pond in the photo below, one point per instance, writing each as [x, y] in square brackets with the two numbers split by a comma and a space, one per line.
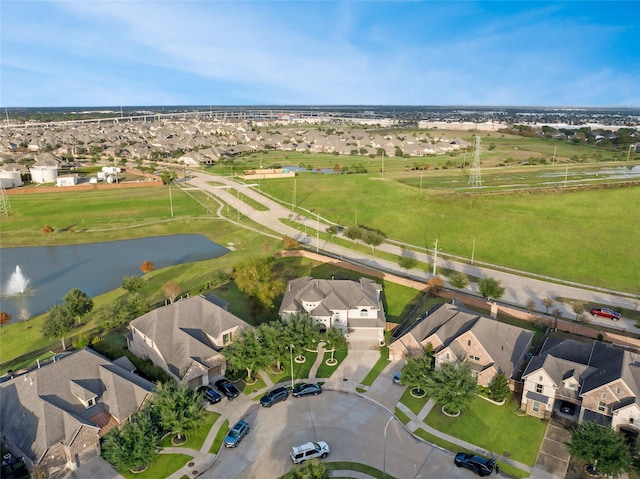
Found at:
[33, 279]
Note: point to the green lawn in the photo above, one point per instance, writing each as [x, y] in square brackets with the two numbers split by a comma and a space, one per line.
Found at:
[414, 404]
[163, 465]
[495, 428]
[197, 437]
[378, 367]
[324, 370]
[527, 232]
[220, 435]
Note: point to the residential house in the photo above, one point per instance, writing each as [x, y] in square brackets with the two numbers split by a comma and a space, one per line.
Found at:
[601, 380]
[185, 338]
[487, 345]
[353, 307]
[54, 416]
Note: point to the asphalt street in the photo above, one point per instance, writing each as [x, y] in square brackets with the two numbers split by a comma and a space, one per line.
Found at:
[353, 427]
[519, 288]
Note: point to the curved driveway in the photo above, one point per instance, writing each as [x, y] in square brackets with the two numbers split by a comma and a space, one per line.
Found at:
[354, 428]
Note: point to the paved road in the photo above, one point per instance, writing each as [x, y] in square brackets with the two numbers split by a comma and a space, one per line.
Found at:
[518, 288]
[353, 427]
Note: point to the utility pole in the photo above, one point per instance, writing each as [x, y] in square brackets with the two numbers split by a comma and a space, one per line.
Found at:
[435, 258]
[170, 199]
[317, 231]
[475, 179]
[473, 249]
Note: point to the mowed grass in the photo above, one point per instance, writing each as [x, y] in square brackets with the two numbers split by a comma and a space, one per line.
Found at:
[587, 236]
[503, 432]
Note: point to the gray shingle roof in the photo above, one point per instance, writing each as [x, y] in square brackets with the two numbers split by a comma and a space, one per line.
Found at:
[41, 408]
[184, 331]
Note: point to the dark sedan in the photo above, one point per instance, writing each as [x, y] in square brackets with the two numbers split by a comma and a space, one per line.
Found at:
[227, 388]
[482, 466]
[306, 389]
[210, 394]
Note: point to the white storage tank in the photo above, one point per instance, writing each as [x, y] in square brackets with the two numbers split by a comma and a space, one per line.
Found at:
[43, 174]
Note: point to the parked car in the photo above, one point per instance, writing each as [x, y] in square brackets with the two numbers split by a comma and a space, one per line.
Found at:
[396, 377]
[227, 388]
[567, 408]
[274, 396]
[305, 389]
[606, 313]
[482, 466]
[236, 433]
[210, 394]
[309, 450]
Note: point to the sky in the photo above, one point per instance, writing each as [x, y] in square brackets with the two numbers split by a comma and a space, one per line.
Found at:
[249, 53]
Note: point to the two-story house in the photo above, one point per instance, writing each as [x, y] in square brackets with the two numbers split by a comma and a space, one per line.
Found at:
[488, 346]
[55, 415]
[185, 338]
[601, 380]
[353, 307]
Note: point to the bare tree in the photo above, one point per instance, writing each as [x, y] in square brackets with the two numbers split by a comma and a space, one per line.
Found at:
[171, 290]
[547, 303]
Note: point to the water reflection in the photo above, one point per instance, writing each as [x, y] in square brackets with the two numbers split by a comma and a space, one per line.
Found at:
[95, 268]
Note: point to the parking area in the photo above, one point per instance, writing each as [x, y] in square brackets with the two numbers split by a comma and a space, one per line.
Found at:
[554, 456]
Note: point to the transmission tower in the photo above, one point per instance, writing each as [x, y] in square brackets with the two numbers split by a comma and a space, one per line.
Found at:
[475, 179]
[4, 201]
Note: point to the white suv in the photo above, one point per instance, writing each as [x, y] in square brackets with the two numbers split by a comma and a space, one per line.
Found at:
[309, 450]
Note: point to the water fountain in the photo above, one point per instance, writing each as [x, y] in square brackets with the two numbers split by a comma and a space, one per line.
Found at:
[18, 283]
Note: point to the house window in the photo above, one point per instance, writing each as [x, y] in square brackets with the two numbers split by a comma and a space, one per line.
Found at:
[604, 395]
[468, 342]
[91, 402]
[539, 388]
[474, 358]
[364, 313]
[617, 390]
[227, 338]
[536, 406]
[602, 406]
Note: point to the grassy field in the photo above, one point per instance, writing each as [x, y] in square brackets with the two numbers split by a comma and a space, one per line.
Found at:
[584, 236]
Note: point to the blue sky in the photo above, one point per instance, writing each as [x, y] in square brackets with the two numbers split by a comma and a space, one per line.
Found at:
[143, 52]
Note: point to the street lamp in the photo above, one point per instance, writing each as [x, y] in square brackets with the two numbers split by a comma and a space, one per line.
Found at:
[384, 456]
[291, 355]
[473, 249]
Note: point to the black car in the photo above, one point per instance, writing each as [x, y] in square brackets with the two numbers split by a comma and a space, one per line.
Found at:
[567, 408]
[274, 396]
[227, 388]
[305, 389]
[482, 466]
[210, 394]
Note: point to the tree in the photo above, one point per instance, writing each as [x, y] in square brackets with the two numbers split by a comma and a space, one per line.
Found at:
[605, 449]
[580, 311]
[547, 303]
[290, 243]
[312, 469]
[301, 332]
[178, 407]
[373, 238]
[459, 280]
[132, 284]
[147, 266]
[453, 386]
[334, 339]
[133, 445]
[491, 288]
[332, 230]
[407, 260]
[417, 369]
[247, 352]
[354, 233]
[4, 318]
[435, 284]
[171, 290]
[271, 336]
[78, 303]
[255, 278]
[58, 323]
[499, 388]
